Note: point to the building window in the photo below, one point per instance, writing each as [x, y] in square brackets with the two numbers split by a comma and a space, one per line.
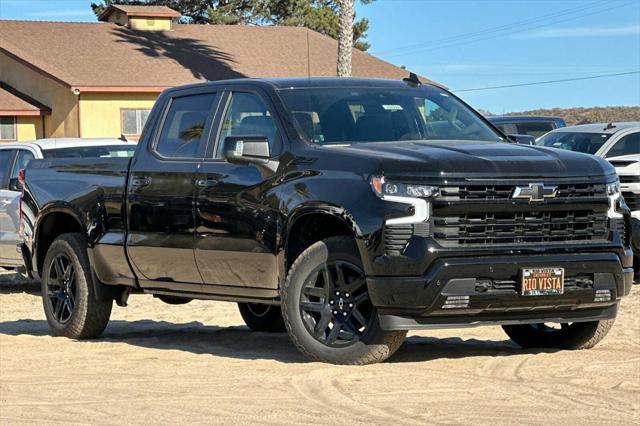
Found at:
[7, 128]
[133, 120]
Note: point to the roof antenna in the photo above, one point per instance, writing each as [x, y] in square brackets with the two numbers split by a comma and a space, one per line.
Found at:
[308, 58]
[412, 80]
[610, 126]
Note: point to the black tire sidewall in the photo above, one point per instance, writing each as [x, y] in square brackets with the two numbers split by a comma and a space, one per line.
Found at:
[81, 324]
[374, 341]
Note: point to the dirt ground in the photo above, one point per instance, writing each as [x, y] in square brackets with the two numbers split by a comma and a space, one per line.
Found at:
[198, 363]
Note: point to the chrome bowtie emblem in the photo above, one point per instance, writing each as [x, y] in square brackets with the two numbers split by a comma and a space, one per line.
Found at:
[535, 192]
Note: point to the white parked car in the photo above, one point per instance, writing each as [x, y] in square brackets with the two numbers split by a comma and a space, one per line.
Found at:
[620, 144]
[14, 157]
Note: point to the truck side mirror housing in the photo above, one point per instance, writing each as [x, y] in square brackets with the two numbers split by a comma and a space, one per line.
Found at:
[246, 149]
[15, 185]
[522, 139]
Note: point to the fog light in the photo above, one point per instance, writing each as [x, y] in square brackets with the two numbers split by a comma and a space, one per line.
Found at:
[602, 296]
[456, 302]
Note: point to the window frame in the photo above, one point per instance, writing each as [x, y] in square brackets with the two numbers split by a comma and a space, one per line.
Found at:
[138, 121]
[225, 103]
[208, 125]
[15, 129]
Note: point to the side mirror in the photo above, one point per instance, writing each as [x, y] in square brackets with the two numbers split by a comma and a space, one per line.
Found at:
[15, 185]
[246, 149]
[523, 139]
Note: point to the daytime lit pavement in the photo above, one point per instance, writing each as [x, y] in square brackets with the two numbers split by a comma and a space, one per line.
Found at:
[198, 363]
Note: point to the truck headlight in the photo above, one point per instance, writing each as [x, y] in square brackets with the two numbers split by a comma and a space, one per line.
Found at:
[615, 199]
[406, 193]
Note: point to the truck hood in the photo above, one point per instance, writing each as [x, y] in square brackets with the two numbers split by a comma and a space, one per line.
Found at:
[479, 159]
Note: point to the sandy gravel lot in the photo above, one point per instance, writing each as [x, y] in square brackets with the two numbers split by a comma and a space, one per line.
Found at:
[197, 363]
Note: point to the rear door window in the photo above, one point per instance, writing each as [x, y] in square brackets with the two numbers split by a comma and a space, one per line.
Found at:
[185, 129]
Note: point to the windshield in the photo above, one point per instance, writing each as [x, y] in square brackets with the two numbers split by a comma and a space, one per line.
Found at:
[106, 151]
[349, 115]
[588, 143]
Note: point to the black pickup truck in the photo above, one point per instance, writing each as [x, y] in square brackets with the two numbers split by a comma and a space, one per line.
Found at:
[344, 211]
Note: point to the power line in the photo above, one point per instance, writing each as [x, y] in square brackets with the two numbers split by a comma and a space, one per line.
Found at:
[591, 77]
[483, 38]
[494, 29]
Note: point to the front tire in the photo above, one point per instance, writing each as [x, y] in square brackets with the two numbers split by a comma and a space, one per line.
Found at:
[327, 310]
[261, 317]
[577, 335]
[70, 304]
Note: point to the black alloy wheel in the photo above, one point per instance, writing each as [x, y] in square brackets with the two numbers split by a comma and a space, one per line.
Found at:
[61, 288]
[335, 305]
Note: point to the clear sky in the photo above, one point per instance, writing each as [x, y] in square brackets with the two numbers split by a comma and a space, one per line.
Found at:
[468, 44]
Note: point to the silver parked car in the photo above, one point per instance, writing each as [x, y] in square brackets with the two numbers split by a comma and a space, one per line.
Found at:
[15, 156]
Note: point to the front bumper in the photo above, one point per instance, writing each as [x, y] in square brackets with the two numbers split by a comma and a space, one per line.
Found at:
[485, 290]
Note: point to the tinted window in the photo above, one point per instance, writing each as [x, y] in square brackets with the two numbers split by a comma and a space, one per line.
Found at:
[22, 159]
[534, 129]
[247, 115]
[588, 143]
[6, 155]
[183, 132]
[107, 151]
[348, 115]
[628, 145]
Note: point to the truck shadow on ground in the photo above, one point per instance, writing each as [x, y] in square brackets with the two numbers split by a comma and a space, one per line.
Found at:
[241, 343]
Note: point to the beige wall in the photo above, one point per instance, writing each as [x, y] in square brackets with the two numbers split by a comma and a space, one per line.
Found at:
[100, 113]
[29, 128]
[63, 120]
[150, 24]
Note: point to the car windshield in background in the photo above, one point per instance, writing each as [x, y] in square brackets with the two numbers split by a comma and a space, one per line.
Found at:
[350, 115]
[107, 151]
[588, 143]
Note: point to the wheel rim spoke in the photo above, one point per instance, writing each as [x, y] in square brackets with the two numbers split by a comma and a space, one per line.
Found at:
[319, 292]
[335, 304]
[335, 331]
[312, 306]
[61, 288]
[359, 317]
[321, 326]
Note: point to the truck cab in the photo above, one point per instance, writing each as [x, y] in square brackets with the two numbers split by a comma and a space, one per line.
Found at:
[343, 211]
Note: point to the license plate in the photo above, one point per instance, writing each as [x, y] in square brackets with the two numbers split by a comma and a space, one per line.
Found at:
[542, 281]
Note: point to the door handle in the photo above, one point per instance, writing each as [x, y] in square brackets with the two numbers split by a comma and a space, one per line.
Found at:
[140, 182]
[204, 183]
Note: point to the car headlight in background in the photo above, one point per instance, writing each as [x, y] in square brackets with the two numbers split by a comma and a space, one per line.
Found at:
[615, 199]
[405, 193]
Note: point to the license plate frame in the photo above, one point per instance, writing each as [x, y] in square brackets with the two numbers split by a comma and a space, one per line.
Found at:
[546, 281]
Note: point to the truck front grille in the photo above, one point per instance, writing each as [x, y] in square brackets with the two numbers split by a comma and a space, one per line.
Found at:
[504, 192]
[505, 228]
[632, 200]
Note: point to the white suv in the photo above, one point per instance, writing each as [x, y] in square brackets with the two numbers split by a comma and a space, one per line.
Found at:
[14, 157]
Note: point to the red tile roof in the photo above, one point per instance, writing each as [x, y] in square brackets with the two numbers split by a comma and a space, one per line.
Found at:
[105, 55]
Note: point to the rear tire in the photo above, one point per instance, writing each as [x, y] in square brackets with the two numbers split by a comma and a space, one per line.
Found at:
[260, 317]
[70, 303]
[577, 335]
[327, 310]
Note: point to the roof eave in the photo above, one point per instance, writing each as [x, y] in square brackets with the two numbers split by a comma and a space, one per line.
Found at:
[119, 89]
[23, 113]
